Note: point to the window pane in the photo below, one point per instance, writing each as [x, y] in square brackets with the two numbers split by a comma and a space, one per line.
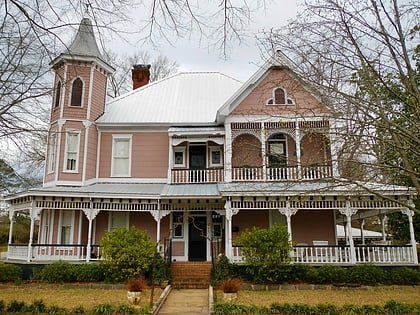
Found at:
[72, 141]
[57, 95]
[118, 220]
[76, 93]
[179, 158]
[121, 148]
[279, 96]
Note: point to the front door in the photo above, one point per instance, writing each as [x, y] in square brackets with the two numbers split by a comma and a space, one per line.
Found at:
[197, 163]
[197, 241]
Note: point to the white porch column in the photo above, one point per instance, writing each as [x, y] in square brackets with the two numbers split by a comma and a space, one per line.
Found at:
[410, 213]
[90, 215]
[298, 149]
[362, 230]
[382, 218]
[334, 147]
[228, 153]
[12, 221]
[348, 212]
[158, 215]
[34, 214]
[228, 228]
[288, 212]
[263, 140]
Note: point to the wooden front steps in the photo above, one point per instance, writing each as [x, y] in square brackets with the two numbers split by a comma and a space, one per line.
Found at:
[191, 275]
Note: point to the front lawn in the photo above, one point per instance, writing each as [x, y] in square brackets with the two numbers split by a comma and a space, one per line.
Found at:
[71, 296]
[339, 297]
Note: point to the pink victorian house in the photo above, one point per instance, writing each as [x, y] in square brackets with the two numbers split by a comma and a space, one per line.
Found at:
[195, 159]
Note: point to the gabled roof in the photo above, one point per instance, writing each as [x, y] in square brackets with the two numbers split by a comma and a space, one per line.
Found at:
[182, 99]
[277, 61]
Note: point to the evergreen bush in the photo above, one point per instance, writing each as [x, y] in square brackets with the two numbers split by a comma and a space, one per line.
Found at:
[367, 274]
[128, 253]
[404, 276]
[9, 272]
[331, 274]
[59, 272]
[89, 272]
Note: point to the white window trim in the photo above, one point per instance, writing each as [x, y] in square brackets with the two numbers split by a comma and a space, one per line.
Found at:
[52, 153]
[71, 227]
[57, 95]
[215, 149]
[109, 219]
[71, 91]
[178, 223]
[76, 170]
[130, 142]
[183, 151]
[273, 98]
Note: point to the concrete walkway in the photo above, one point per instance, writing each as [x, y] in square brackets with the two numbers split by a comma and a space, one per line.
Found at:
[186, 302]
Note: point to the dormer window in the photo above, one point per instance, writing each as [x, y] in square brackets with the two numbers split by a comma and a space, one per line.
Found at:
[280, 97]
[76, 93]
[57, 95]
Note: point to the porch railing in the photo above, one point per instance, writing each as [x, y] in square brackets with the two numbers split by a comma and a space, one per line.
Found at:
[281, 173]
[332, 254]
[52, 252]
[197, 176]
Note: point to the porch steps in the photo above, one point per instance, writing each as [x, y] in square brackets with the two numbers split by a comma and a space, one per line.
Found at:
[191, 275]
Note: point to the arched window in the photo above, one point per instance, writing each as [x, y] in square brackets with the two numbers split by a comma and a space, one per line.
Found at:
[280, 97]
[76, 92]
[57, 95]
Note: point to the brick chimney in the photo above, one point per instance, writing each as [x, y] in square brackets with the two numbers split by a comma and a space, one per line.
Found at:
[140, 75]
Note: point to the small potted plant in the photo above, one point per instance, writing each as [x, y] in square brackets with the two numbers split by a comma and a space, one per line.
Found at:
[135, 286]
[230, 288]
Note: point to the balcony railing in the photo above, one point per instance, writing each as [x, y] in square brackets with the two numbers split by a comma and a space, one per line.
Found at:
[281, 173]
[376, 254]
[243, 174]
[197, 176]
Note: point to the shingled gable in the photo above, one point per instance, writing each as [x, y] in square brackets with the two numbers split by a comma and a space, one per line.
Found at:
[276, 62]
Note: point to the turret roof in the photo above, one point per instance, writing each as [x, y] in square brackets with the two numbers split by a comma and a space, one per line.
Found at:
[84, 43]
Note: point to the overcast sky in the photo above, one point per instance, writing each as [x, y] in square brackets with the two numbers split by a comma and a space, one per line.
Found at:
[243, 58]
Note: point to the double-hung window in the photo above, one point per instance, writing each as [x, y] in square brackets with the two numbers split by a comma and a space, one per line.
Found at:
[72, 151]
[52, 152]
[66, 227]
[121, 156]
[118, 220]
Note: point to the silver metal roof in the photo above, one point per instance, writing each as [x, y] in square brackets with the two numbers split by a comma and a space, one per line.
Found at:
[309, 187]
[184, 99]
[110, 190]
[191, 191]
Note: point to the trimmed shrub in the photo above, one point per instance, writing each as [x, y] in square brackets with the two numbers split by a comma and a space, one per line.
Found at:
[404, 275]
[89, 272]
[59, 272]
[367, 274]
[331, 274]
[9, 272]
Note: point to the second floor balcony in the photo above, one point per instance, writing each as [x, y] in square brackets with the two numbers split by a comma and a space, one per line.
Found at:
[244, 174]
